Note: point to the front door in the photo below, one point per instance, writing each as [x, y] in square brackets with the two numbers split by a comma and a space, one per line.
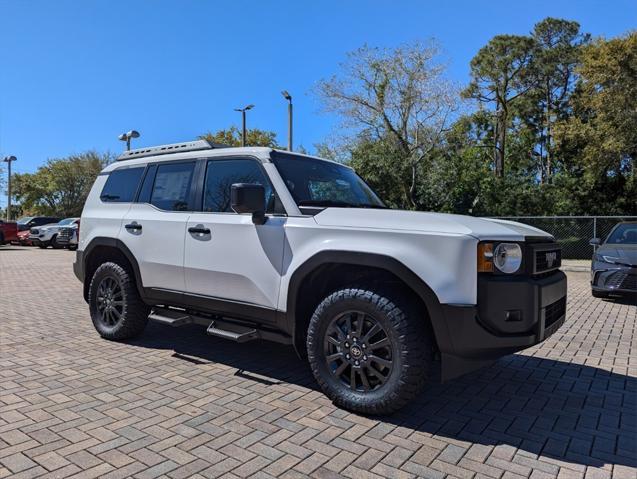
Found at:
[227, 257]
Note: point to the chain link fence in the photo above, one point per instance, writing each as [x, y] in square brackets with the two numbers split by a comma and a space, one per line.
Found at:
[573, 232]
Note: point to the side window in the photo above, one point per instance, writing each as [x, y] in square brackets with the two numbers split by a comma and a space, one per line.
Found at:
[171, 190]
[121, 185]
[222, 174]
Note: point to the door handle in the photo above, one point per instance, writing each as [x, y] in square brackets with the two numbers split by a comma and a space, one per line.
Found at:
[133, 226]
[199, 229]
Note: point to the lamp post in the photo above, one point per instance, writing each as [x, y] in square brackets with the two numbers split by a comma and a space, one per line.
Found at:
[243, 122]
[8, 160]
[127, 137]
[288, 97]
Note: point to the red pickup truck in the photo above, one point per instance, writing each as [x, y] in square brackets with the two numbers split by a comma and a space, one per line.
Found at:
[8, 232]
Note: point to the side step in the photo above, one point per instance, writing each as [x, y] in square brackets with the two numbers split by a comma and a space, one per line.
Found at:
[231, 331]
[170, 317]
[221, 328]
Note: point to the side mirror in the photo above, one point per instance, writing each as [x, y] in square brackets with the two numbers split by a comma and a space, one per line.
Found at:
[249, 198]
[595, 242]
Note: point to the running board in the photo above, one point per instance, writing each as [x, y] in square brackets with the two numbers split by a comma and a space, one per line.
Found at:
[221, 328]
[170, 317]
[231, 331]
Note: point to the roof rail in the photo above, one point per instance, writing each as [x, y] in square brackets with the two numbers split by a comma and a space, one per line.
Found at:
[196, 145]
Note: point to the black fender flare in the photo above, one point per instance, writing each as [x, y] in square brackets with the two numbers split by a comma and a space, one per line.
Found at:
[83, 257]
[388, 263]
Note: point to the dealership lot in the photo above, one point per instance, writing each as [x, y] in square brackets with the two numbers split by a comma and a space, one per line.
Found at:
[177, 403]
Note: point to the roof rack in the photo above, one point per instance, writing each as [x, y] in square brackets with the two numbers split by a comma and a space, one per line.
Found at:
[196, 145]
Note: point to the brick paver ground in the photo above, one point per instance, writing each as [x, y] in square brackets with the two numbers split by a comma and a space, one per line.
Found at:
[177, 403]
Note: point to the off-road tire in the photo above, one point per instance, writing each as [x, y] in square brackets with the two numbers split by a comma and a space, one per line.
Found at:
[134, 312]
[411, 349]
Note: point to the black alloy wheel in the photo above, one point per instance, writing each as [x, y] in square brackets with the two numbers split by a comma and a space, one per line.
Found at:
[358, 351]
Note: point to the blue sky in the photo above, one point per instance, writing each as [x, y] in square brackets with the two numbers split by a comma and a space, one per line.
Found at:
[75, 74]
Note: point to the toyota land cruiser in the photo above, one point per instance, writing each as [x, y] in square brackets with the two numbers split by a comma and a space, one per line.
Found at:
[255, 243]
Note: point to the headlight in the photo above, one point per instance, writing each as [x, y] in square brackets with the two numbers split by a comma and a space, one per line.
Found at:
[507, 257]
[608, 259]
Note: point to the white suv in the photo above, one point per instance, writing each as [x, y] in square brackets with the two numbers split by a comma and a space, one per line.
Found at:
[255, 243]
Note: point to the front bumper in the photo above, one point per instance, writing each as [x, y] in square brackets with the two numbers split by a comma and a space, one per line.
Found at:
[617, 279]
[513, 313]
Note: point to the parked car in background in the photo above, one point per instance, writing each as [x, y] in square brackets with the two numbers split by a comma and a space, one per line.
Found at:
[8, 232]
[45, 236]
[614, 265]
[23, 238]
[27, 222]
[68, 236]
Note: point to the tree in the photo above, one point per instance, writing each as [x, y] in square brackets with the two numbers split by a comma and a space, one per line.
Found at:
[558, 43]
[398, 97]
[60, 187]
[600, 137]
[500, 75]
[232, 137]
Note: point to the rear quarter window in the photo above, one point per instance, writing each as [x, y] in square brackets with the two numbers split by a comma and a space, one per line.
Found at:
[122, 185]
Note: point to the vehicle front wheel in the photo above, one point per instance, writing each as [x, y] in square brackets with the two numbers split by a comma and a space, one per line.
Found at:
[54, 242]
[116, 308]
[369, 351]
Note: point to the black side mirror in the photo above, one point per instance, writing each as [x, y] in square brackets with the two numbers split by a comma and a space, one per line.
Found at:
[595, 242]
[249, 198]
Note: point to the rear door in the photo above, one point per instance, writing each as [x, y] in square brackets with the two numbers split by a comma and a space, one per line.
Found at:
[227, 257]
[155, 225]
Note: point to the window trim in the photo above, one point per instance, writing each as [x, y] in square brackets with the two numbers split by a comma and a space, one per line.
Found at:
[202, 184]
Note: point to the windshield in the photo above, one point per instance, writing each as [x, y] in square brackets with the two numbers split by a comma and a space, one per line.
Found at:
[623, 234]
[314, 182]
[24, 220]
[66, 221]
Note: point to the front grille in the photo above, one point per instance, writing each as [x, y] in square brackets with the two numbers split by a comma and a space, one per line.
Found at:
[553, 312]
[65, 233]
[629, 282]
[547, 260]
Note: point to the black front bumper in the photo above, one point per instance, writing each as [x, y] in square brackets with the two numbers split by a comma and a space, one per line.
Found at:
[513, 313]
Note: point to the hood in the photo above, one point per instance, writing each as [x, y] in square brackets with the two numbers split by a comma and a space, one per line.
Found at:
[480, 228]
[625, 253]
[47, 227]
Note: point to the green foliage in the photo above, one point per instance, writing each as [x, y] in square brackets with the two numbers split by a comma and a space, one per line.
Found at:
[559, 111]
[232, 137]
[60, 187]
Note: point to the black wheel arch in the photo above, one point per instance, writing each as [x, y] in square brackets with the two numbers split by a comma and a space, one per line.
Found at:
[111, 249]
[378, 261]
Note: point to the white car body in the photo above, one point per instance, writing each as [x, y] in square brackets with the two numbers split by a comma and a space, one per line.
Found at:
[243, 264]
[45, 233]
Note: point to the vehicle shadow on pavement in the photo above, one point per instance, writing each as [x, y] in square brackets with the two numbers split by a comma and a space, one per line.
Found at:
[570, 412]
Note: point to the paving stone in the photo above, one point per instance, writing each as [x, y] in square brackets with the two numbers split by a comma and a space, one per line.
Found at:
[72, 404]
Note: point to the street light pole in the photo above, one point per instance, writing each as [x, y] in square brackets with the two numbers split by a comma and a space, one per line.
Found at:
[127, 137]
[8, 160]
[288, 97]
[243, 122]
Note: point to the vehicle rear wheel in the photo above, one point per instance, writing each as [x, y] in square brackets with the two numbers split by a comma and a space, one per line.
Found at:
[368, 351]
[116, 308]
